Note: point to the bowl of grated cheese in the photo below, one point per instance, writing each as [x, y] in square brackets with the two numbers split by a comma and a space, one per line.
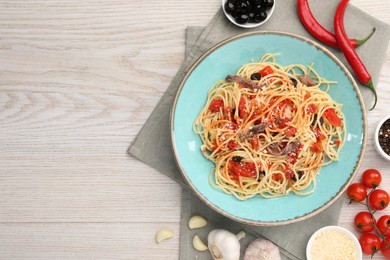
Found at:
[333, 242]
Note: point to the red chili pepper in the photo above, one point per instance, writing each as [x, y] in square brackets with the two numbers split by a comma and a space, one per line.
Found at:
[350, 54]
[318, 31]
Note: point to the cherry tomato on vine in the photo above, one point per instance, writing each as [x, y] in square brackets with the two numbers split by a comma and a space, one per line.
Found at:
[370, 243]
[364, 222]
[379, 199]
[356, 192]
[383, 225]
[385, 250]
[371, 178]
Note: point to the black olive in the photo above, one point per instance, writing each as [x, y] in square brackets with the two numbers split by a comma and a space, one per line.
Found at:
[235, 14]
[229, 7]
[237, 158]
[244, 11]
[233, 112]
[294, 81]
[257, 8]
[255, 76]
[268, 3]
[300, 174]
[255, 2]
[251, 16]
[263, 14]
[315, 120]
[242, 18]
[244, 4]
[259, 17]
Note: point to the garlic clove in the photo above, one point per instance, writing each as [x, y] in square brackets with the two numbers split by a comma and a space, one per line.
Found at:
[198, 244]
[197, 222]
[261, 249]
[164, 234]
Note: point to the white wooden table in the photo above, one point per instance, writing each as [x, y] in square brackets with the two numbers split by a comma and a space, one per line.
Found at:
[77, 81]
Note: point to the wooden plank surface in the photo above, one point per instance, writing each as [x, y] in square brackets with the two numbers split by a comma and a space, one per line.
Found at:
[77, 81]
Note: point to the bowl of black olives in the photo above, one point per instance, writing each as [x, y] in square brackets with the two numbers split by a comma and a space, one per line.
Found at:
[382, 138]
[248, 13]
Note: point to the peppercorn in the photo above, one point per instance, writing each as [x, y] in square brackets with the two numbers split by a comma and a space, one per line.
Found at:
[384, 136]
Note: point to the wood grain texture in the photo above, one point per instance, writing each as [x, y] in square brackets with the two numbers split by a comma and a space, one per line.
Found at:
[77, 81]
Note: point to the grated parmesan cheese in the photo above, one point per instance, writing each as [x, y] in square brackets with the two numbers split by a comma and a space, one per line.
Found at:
[333, 245]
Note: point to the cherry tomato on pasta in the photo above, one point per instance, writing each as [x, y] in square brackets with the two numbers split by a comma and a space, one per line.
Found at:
[316, 147]
[330, 115]
[311, 109]
[242, 108]
[242, 169]
[356, 192]
[364, 222]
[370, 243]
[291, 131]
[379, 199]
[371, 178]
[216, 105]
[266, 71]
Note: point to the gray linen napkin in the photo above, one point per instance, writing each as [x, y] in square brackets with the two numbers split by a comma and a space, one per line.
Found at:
[151, 144]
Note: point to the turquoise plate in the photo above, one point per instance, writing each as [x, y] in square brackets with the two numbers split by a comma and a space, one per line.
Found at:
[226, 58]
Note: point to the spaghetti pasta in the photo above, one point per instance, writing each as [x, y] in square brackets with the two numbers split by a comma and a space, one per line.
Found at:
[269, 129]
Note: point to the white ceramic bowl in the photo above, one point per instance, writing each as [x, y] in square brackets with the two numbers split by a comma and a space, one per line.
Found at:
[376, 139]
[248, 25]
[333, 229]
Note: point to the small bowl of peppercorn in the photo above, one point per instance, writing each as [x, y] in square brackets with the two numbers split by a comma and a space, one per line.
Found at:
[382, 138]
[248, 13]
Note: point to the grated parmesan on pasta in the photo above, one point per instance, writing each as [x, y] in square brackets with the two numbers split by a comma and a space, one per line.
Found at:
[333, 245]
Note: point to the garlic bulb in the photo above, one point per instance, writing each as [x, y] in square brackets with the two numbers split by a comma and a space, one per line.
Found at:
[224, 245]
[261, 249]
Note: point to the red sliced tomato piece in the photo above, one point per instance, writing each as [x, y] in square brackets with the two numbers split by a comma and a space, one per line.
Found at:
[242, 108]
[337, 142]
[289, 174]
[266, 71]
[277, 177]
[318, 134]
[311, 109]
[232, 145]
[242, 169]
[255, 143]
[291, 131]
[330, 115]
[216, 105]
[316, 147]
